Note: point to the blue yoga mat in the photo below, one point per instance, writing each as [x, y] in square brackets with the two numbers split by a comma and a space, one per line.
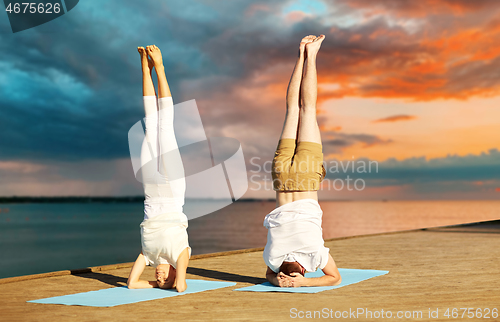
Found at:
[122, 295]
[349, 276]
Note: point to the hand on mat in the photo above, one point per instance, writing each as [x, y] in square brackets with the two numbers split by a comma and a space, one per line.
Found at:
[297, 279]
[284, 280]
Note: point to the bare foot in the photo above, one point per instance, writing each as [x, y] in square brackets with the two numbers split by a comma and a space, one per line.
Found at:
[304, 41]
[155, 54]
[145, 61]
[312, 47]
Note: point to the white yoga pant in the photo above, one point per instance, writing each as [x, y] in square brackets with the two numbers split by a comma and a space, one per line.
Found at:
[162, 170]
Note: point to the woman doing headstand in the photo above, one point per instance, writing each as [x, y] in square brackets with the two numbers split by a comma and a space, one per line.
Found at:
[163, 232]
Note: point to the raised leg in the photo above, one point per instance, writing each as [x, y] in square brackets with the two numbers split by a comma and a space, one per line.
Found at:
[293, 94]
[149, 149]
[170, 163]
[308, 126]
[148, 88]
[155, 54]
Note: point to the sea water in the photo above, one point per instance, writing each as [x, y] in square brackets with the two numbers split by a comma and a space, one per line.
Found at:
[43, 237]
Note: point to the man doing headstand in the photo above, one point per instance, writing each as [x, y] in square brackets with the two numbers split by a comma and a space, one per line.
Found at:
[294, 241]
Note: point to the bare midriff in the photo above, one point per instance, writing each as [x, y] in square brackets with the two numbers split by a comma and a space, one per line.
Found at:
[284, 197]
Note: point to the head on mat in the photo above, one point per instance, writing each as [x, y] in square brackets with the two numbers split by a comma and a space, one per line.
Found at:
[288, 268]
[165, 276]
[164, 237]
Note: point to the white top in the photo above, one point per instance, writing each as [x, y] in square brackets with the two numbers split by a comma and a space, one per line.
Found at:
[163, 238]
[295, 234]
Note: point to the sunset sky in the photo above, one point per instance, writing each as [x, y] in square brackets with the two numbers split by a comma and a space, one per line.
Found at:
[413, 85]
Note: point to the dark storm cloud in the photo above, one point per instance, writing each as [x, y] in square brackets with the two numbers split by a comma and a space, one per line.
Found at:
[70, 89]
[470, 168]
[334, 141]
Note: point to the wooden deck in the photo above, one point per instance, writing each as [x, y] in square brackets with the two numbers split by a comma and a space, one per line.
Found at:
[436, 269]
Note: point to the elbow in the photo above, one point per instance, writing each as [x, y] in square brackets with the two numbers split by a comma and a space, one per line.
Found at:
[271, 278]
[130, 285]
[334, 280]
[181, 289]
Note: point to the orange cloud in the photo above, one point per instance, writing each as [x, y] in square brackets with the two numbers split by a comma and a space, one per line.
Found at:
[295, 16]
[419, 8]
[21, 166]
[355, 37]
[396, 118]
[254, 8]
[431, 144]
[497, 189]
[433, 61]
[325, 128]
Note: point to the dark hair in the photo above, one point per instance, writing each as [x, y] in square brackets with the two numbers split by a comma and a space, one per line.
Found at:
[291, 267]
